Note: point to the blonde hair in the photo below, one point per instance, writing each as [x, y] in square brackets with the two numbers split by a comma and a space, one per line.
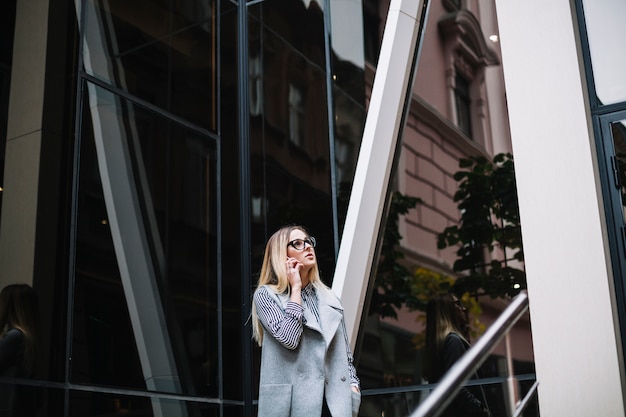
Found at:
[274, 272]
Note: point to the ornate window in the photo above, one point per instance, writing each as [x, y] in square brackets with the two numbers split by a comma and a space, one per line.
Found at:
[467, 56]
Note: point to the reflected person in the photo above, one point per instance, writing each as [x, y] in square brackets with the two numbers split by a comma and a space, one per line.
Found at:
[19, 347]
[446, 341]
[306, 364]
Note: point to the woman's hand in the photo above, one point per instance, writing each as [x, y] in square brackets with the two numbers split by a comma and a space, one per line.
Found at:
[293, 273]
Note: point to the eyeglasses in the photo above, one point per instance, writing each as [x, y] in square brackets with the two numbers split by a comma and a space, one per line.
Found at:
[300, 244]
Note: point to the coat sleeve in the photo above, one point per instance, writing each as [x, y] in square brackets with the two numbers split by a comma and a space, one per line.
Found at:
[454, 348]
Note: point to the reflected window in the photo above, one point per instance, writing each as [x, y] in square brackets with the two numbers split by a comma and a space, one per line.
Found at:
[344, 158]
[296, 115]
[467, 55]
[256, 86]
[463, 102]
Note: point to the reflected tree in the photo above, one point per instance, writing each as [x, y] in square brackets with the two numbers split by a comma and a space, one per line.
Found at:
[393, 284]
[488, 236]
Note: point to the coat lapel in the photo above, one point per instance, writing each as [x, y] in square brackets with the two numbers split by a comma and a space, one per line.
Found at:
[311, 321]
[331, 314]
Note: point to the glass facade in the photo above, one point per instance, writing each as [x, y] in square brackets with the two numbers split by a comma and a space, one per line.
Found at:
[191, 131]
[606, 85]
[174, 110]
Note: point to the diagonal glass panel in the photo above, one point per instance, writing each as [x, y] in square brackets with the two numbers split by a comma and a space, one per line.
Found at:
[161, 52]
[146, 274]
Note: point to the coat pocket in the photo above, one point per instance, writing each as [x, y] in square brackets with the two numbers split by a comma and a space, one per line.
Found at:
[275, 400]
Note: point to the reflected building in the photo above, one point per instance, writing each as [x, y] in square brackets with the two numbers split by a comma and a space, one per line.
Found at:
[458, 110]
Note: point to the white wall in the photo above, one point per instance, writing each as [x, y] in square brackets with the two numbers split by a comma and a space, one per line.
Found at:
[577, 350]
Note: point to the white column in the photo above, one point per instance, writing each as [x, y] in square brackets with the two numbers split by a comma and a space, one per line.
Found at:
[574, 324]
[376, 155]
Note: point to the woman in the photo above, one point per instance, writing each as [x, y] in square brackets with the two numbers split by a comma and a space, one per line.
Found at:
[19, 327]
[306, 363]
[19, 349]
[446, 342]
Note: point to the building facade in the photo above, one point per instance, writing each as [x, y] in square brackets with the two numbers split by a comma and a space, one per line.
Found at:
[151, 148]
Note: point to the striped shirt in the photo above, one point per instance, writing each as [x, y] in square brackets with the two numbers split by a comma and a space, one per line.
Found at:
[286, 325]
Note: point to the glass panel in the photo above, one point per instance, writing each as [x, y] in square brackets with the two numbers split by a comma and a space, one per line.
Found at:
[145, 312]
[21, 400]
[298, 24]
[349, 122]
[96, 404]
[391, 372]
[289, 140]
[348, 48]
[606, 30]
[391, 405]
[162, 52]
[371, 30]
[618, 132]
[399, 404]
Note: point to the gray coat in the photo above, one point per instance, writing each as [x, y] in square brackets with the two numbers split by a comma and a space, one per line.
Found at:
[293, 382]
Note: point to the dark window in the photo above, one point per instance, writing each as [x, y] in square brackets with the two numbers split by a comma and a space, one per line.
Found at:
[463, 105]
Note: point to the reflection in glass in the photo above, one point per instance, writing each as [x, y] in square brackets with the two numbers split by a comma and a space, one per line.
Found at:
[604, 20]
[145, 298]
[20, 346]
[348, 94]
[347, 29]
[289, 140]
[618, 132]
[349, 122]
[31, 400]
[401, 404]
[92, 404]
[161, 52]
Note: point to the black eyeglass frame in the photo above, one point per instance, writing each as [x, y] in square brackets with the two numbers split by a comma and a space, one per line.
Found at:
[296, 243]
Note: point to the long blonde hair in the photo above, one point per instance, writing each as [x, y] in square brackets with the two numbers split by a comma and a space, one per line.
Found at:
[274, 272]
[441, 320]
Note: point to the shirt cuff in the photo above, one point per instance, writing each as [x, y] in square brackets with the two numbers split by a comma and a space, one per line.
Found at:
[295, 310]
